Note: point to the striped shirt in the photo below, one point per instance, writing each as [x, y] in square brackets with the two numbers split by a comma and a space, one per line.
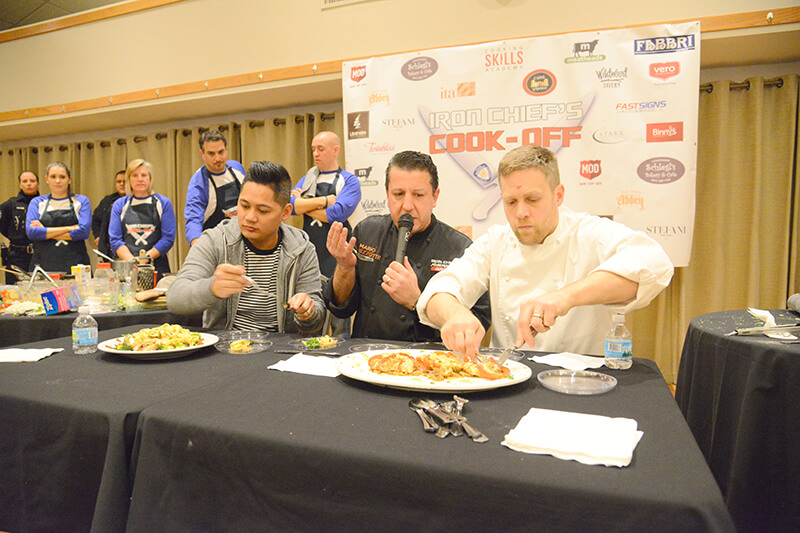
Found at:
[256, 310]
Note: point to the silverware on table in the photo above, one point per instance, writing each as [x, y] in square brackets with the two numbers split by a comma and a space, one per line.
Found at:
[504, 356]
[309, 352]
[427, 424]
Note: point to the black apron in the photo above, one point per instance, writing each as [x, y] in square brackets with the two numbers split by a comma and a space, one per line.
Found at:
[318, 231]
[227, 199]
[141, 230]
[59, 255]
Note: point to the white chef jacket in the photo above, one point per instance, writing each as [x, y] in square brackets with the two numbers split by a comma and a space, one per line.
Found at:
[514, 272]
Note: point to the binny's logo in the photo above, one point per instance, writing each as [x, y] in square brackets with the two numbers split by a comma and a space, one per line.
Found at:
[664, 71]
[664, 132]
[358, 73]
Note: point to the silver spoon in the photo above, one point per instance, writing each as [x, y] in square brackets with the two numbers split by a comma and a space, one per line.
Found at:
[427, 423]
[439, 417]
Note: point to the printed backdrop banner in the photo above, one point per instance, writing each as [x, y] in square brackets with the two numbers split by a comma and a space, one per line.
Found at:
[619, 108]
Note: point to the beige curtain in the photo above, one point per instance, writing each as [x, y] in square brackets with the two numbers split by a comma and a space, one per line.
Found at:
[745, 235]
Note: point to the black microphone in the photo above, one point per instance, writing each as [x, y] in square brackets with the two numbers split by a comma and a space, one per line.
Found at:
[793, 303]
[404, 226]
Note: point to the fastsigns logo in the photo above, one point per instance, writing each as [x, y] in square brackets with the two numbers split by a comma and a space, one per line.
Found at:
[664, 132]
[358, 73]
[358, 125]
[666, 70]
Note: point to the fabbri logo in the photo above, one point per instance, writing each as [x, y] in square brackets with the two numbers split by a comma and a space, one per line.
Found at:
[590, 169]
[664, 71]
[664, 132]
[662, 45]
[539, 82]
[358, 73]
[358, 125]
[584, 53]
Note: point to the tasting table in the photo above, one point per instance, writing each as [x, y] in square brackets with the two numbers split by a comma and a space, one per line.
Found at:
[741, 398]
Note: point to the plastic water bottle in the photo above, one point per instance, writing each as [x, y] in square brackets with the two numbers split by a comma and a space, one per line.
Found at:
[619, 345]
[104, 272]
[84, 332]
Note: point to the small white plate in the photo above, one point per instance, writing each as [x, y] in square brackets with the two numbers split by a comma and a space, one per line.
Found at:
[580, 382]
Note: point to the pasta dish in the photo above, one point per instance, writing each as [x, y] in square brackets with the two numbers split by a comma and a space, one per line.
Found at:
[437, 366]
[164, 337]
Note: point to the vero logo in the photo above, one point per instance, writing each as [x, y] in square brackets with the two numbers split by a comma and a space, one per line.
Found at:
[666, 70]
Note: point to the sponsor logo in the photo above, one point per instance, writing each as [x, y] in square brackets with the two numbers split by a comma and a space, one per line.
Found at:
[666, 231]
[373, 207]
[379, 97]
[612, 77]
[367, 253]
[666, 70]
[590, 169]
[663, 45]
[358, 73]
[609, 136]
[584, 53]
[641, 107]
[539, 82]
[664, 132]
[661, 170]
[462, 89]
[363, 175]
[631, 199]
[503, 58]
[419, 68]
[358, 125]
[398, 123]
[379, 147]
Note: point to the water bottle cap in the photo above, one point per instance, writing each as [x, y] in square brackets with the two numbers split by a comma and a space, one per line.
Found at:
[618, 318]
[103, 265]
[84, 310]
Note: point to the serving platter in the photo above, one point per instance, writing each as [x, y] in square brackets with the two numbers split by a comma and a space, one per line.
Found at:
[356, 366]
[153, 355]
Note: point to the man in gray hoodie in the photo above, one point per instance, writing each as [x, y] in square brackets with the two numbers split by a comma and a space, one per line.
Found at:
[240, 273]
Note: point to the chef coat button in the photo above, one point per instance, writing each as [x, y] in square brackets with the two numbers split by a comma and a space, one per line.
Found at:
[380, 280]
[419, 266]
[402, 318]
[372, 309]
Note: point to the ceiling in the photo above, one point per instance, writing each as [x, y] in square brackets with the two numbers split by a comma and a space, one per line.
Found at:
[16, 13]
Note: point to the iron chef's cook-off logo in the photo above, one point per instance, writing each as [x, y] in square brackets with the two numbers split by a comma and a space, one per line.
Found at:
[631, 199]
[358, 73]
[611, 78]
[663, 45]
[461, 90]
[609, 136]
[503, 58]
[664, 71]
[379, 97]
[590, 169]
[584, 53]
[661, 170]
[664, 132]
[363, 176]
[539, 82]
[419, 68]
[358, 125]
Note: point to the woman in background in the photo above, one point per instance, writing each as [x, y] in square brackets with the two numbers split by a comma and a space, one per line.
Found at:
[12, 224]
[59, 223]
[142, 221]
[102, 214]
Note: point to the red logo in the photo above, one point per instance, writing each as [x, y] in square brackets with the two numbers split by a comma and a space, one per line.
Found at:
[358, 73]
[665, 70]
[590, 169]
[665, 132]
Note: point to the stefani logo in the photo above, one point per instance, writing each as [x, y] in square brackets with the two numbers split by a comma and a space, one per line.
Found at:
[612, 77]
[662, 45]
[363, 175]
[608, 136]
[358, 125]
[398, 123]
[584, 53]
[462, 89]
[539, 82]
[379, 97]
[634, 199]
[661, 170]
[358, 73]
[503, 58]
[590, 169]
[666, 70]
[419, 68]
[667, 231]
[664, 132]
[641, 107]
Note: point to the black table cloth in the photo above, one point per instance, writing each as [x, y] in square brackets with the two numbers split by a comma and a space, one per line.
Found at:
[741, 398]
[67, 426]
[278, 451]
[15, 330]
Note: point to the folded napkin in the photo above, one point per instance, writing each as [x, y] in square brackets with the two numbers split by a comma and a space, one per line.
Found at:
[588, 439]
[569, 360]
[315, 365]
[769, 321]
[26, 355]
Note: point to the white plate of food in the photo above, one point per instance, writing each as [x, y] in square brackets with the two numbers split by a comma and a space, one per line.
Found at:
[164, 342]
[324, 342]
[436, 371]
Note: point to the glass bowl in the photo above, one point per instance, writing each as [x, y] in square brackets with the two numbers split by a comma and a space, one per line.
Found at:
[243, 342]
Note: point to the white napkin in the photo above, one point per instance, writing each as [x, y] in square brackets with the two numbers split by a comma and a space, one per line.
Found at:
[26, 355]
[769, 321]
[569, 360]
[315, 365]
[588, 439]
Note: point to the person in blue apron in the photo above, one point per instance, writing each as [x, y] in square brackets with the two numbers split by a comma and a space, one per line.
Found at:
[12, 224]
[144, 221]
[213, 192]
[59, 223]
